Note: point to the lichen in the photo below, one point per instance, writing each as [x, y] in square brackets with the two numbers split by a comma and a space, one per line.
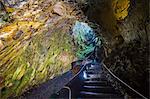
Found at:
[120, 8]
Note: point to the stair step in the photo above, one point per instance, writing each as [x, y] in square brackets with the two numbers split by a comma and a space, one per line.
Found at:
[93, 95]
[93, 72]
[100, 89]
[93, 67]
[95, 75]
[96, 79]
[98, 83]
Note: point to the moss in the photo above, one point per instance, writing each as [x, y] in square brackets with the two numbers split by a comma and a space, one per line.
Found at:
[34, 57]
[34, 52]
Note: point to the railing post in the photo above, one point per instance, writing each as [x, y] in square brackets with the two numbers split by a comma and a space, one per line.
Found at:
[66, 87]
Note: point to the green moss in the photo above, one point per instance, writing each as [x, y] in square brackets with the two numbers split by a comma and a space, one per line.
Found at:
[32, 61]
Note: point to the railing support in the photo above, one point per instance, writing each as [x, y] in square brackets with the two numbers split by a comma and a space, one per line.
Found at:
[66, 87]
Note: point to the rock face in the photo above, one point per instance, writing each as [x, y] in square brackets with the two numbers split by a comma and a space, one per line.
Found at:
[120, 18]
[4, 16]
[125, 33]
[35, 46]
[13, 2]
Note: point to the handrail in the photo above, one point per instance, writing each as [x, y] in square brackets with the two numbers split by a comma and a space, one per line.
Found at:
[123, 82]
[80, 69]
[66, 87]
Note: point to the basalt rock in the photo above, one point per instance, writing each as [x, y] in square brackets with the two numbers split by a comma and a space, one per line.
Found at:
[125, 31]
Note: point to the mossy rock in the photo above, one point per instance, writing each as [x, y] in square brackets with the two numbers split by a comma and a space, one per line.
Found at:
[34, 51]
[32, 59]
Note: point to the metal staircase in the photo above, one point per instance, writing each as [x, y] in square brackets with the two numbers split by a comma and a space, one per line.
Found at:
[95, 85]
[90, 82]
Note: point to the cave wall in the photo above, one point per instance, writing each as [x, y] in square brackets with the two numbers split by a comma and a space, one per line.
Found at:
[125, 38]
[124, 22]
[35, 46]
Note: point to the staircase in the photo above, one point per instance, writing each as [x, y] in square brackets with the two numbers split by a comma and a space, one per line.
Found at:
[90, 83]
[95, 85]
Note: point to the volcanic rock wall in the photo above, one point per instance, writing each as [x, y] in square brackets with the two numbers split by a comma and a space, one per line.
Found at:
[35, 45]
[125, 31]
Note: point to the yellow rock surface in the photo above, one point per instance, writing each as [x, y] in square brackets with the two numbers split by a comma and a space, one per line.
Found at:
[17, 29]
[120, 8]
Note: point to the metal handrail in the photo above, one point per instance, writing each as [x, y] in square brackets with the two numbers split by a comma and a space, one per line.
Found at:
[123, 82]
[81, 68]
[111, 74]
[66, 87]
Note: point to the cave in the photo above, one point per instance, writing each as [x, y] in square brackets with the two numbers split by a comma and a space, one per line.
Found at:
[74, 49]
